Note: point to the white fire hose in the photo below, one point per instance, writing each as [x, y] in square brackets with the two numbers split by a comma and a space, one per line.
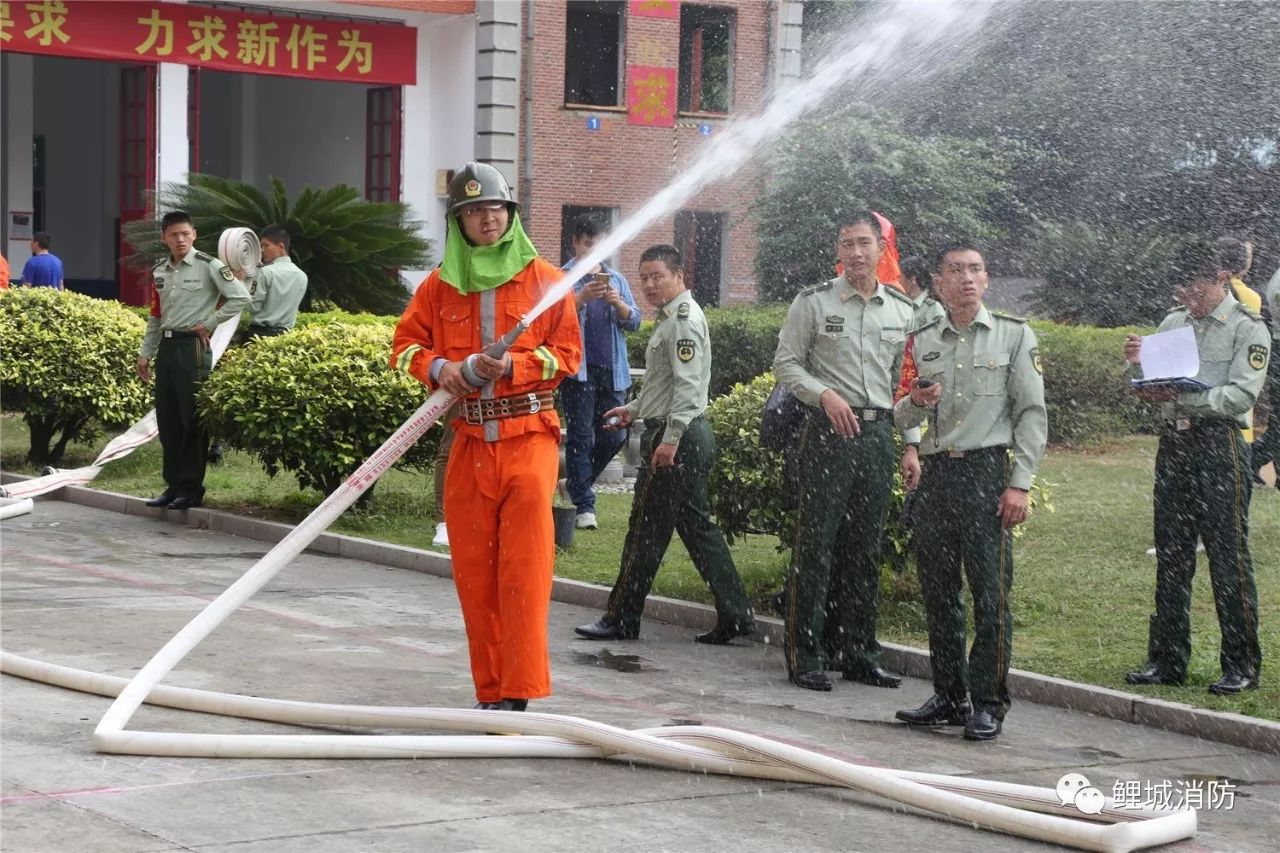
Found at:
[239, 249]
[1016, 809]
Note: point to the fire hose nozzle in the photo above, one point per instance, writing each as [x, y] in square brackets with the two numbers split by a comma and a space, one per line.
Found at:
[497, 349]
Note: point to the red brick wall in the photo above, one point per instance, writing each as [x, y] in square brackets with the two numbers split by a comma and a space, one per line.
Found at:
[623, 165]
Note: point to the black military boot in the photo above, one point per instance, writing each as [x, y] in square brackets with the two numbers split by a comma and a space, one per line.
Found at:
[939, 710]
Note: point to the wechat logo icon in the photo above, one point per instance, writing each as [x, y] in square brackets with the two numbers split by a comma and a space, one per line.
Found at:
[1074, 790]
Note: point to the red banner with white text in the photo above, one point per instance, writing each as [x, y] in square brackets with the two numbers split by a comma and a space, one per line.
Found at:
[223, 39]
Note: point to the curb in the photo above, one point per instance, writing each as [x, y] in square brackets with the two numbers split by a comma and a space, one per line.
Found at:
[1221, 726]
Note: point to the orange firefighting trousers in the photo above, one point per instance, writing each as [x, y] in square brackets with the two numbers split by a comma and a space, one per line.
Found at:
[502, 541]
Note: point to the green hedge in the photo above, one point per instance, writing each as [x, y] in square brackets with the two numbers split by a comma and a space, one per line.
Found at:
[68, 363]
[1088, 396]
[329, 318]
[1085, 386]
[316, 402]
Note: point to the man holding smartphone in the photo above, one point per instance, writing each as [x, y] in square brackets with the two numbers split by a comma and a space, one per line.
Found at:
[606, 309]
[980, 387]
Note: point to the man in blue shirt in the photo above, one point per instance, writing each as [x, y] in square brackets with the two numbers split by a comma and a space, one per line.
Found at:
[606, 309]
[42, 269]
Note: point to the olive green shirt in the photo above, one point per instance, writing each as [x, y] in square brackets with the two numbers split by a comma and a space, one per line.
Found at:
[1234, 348]
[927, 310]
[277, 293]
[677, 368]
[834, 338]
[1272, 299]
[188, 294]
[992, 390]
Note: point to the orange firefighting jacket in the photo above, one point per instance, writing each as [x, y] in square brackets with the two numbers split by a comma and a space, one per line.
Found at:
[440, 322]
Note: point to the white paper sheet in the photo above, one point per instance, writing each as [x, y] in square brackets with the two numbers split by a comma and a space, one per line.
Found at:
[1170, 354]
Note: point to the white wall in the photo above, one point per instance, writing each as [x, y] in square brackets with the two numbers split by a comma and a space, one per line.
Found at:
[439, 117]
[172, 144]
[77, 104]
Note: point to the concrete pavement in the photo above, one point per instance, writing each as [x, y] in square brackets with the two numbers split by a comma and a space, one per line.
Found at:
[102, 591]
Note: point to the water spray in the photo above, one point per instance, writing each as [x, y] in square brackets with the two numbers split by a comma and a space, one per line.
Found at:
[1022, 810]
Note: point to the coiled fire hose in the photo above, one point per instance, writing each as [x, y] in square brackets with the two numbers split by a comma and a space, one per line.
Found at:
[239, 249]
[1017, 809]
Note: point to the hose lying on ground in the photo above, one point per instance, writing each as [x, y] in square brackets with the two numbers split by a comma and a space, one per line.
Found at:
[1019, 809]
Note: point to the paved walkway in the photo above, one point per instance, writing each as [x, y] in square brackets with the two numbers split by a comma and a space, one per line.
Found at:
[102, 591]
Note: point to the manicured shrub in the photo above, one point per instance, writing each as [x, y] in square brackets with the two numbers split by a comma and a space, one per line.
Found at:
[1085, 386]
[315, 402]
[68, 363]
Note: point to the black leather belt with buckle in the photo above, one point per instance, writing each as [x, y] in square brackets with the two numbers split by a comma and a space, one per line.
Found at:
[870, 415]
[179, 333]
[477, 412]
[962, 454]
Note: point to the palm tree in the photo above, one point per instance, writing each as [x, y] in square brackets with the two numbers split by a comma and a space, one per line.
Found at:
[350, 248]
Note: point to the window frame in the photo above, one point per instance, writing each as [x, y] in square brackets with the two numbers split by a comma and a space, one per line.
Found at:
[619, 88]
[730, 16]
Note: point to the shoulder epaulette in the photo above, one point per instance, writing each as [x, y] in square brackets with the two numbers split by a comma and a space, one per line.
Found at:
[206, 257]
[683, 311]
[817, 288]
[1011, 317]
[929, 325]
[1248, 312]
[900, 295]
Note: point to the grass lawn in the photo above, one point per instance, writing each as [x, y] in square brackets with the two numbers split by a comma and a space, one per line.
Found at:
[1083, 583]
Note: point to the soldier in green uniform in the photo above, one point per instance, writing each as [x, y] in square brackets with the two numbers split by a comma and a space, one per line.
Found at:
[279, 287]
[679, 449]
[917, 283]
[184, 313]
[275, 294]
[1267, 448]
[840, 351]
[1203, 483]
[980, 387]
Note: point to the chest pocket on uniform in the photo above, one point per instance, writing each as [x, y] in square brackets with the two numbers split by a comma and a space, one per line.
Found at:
[456, 330]
[192, 281]
[509, 316]
[891, 343]
[990, 372]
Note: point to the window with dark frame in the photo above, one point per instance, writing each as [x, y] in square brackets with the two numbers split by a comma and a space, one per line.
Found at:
[382, 144]
[593, 52]
[569, 214]
[706, 59]
[700, 238]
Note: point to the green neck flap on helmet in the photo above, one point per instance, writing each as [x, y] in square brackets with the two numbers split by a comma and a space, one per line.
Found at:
[474, 269]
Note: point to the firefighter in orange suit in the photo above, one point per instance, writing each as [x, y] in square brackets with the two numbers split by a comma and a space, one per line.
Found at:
[505, 458]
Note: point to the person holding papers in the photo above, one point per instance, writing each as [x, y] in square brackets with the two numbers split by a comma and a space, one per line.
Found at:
[1202, 477]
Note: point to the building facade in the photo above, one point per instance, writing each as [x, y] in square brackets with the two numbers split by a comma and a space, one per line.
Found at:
[620, 97]
[588, 106]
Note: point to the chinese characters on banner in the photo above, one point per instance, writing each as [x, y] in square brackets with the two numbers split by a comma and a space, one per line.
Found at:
[651, 95]
[669, 9]
[224, 39]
